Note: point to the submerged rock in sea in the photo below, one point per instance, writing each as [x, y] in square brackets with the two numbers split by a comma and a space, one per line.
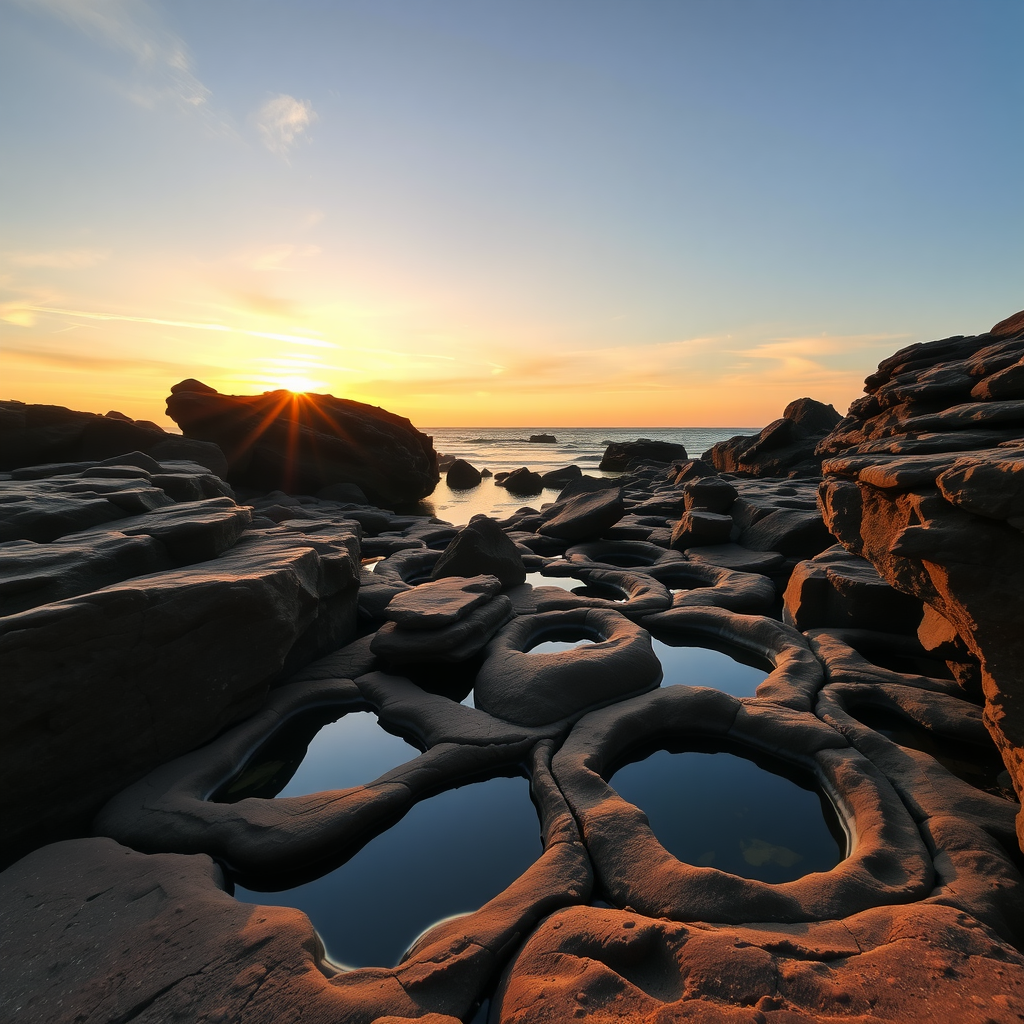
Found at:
[306, 442]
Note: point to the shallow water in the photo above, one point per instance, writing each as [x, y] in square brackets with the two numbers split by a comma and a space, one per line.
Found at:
[724, 811]
[720, 666]
[554, 646]
[505, 449]
[314, 752]
[450, 854]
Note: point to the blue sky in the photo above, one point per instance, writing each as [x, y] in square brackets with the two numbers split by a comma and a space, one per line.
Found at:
[661, 213]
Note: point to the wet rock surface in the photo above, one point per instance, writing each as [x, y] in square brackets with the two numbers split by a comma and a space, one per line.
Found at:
[163, 644]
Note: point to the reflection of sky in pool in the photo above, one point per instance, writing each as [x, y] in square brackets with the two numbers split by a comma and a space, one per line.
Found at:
[310, 753]
[350, 752]
[538, 579]
[703, 666]
[721, 810]
[449, 855]
[553, 646]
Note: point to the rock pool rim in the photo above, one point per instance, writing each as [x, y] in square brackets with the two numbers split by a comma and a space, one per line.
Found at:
[681, 638]
[888, 861]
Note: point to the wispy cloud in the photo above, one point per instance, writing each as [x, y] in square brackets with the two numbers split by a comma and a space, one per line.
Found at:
[56, 259]
[135, 28]
[281, 120]
[16, 314]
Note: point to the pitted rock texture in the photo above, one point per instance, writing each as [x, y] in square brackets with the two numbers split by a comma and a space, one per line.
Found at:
[306, 442]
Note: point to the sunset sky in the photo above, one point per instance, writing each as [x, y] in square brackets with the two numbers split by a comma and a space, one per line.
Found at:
[502, 212]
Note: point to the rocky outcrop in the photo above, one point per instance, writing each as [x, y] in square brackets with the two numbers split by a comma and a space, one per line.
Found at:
[786, 447]
[924, 479]
[302, 443]
[619, 454]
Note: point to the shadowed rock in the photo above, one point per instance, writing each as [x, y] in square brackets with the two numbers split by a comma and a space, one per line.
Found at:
[305, 442]
[586, 516]
[619, 454]
[461, 475]
[482, 548]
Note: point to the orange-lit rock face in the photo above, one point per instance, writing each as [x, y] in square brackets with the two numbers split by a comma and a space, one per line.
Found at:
[302, 443]
[925, 477]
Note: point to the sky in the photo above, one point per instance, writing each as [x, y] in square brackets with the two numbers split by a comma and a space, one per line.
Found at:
[502, 212]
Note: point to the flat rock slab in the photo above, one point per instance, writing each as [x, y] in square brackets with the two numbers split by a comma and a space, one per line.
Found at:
[440, 602]
[733, 556]
[457, 642]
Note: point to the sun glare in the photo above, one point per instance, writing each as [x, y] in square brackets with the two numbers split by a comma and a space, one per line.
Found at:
[296, 385]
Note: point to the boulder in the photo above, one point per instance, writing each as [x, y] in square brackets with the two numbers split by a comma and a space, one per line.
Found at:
[306, 442]
[205, 453]
[789, 531]
[462, 476]
[709, 494]
[543, 439]
[699, 527]
[786, 447]
[619, 454]
[560, 477]
[481, 548]
[522, 481]
[585, 517]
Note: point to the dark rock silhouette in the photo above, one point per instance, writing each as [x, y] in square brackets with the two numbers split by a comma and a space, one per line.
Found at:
[543, 439]
[461, 475]
[786, 447]
[306, 442]
[619, 454]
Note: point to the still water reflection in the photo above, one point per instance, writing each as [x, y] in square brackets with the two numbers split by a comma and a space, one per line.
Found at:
[717, 809]
[722, 666]
[450, 854]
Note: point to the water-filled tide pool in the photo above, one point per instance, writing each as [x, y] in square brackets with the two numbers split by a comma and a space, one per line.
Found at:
[723, 666]
[448, 855]
[749, 816]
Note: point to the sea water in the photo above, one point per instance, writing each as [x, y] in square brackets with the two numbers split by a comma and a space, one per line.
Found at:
[503, 449]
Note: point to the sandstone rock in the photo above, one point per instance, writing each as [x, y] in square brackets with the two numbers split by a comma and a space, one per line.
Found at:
[101, 687]
[699, 527]
[442, 602]
[560, 477]
[306, 442]
[786, 447]
[522, 481]
[791, 532]
[940, 525]
[482, 548]
[838, 589]
[585, 516]
[459, 641]
[709, 494]
[619, 454]
[461, 475]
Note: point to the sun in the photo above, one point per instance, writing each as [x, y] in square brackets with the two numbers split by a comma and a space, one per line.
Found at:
[296, 385]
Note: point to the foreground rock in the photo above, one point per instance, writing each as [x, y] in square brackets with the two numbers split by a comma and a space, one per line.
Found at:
[924, 479]
[307, 442]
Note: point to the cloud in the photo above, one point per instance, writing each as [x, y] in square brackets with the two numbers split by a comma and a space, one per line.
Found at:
[57, 259]
[281, 120]
[135, 28]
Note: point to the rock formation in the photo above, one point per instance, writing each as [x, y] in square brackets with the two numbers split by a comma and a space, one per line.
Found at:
[925, 478]
[786, 447]
[619, 454]
[301, 443]
[170, 653]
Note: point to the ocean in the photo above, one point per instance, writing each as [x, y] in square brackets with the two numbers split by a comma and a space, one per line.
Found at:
[506, 448]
